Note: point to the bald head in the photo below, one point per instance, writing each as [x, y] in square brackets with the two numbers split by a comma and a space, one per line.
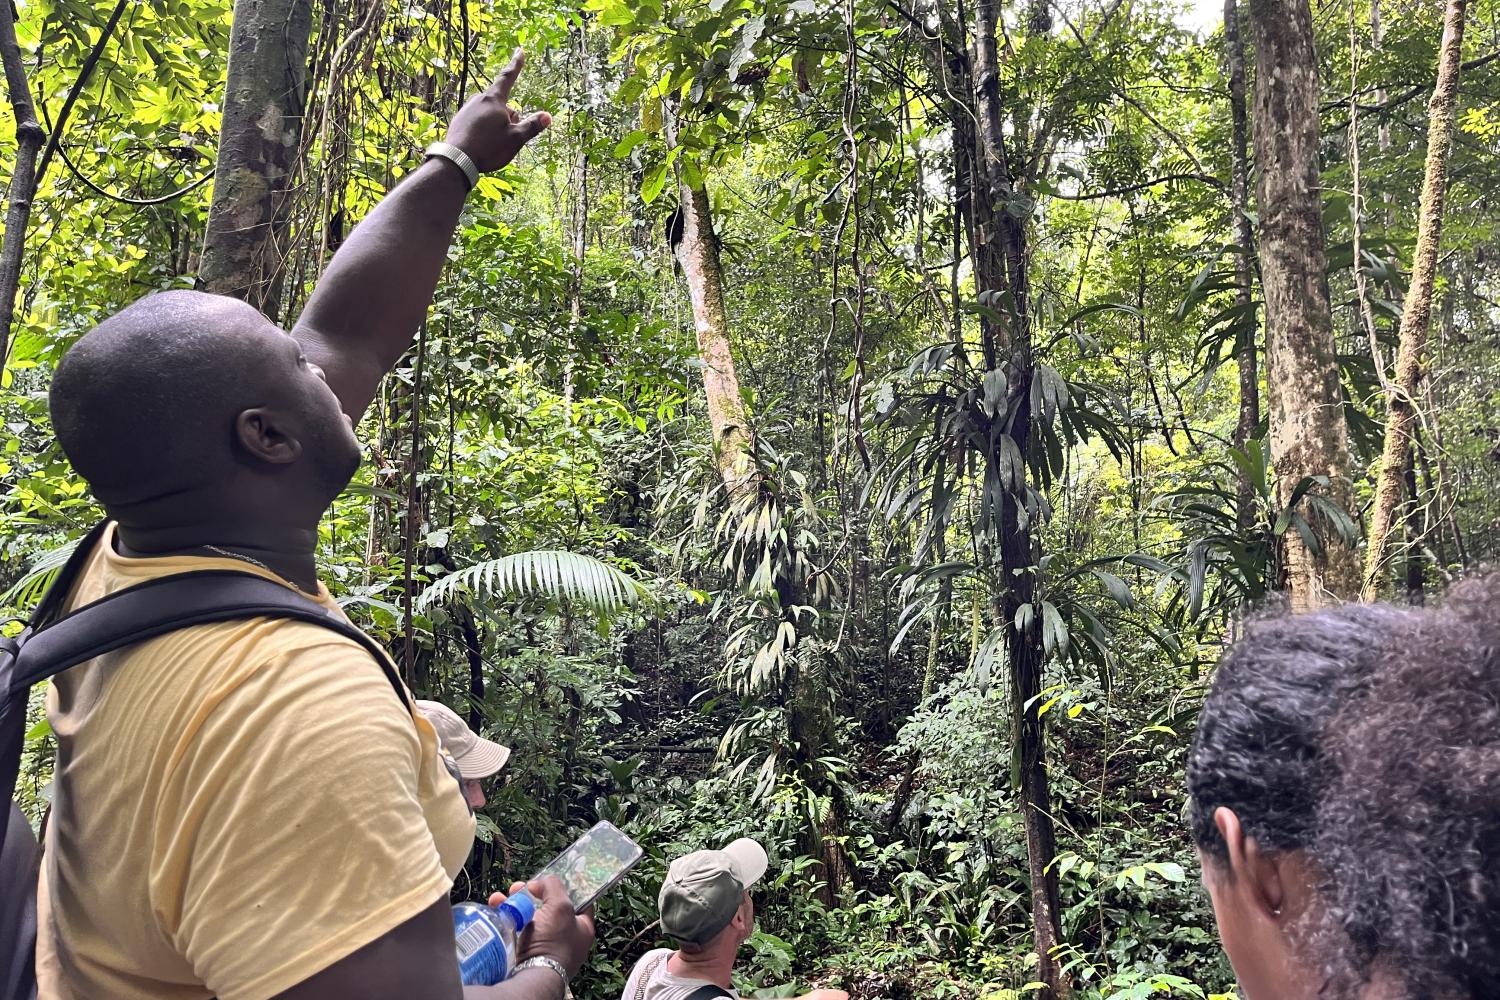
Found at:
[146, 405]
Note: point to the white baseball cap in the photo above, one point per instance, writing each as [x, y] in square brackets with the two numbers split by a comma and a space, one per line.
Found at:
[476, 756]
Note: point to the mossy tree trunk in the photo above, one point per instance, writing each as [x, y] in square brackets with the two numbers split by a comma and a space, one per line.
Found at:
[1309, 437]
[1416, 315]
[264, 103]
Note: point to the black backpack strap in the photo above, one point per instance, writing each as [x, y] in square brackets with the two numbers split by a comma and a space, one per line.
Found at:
[20, 860]
[142, 612]
[167, 604]
[53, 644]
[710, 992]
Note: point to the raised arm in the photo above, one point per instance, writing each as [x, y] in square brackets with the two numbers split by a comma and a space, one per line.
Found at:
[367, 307]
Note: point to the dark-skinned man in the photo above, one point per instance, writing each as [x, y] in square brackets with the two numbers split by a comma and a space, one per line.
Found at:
[247, 810]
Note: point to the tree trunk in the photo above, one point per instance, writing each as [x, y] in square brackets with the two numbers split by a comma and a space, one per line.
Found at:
[698, 253]
[1416, 564]
[1416, 314]
[993, 224]
[23, 180]
[1001, 232]
[1244, 259]
[1309, 436]
[579, 220]
[243, 251]
[474, 652]
[810, 721]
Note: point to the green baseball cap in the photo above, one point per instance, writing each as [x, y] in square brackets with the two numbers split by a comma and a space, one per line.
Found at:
[703, 890]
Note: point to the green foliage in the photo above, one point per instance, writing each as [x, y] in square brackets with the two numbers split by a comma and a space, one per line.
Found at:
[559, 576]
[816, 661]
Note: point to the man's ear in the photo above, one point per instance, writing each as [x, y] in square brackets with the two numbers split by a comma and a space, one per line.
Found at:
[265, 435]
[1257, 873]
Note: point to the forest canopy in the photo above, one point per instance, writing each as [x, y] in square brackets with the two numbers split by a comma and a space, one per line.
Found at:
[854, 424]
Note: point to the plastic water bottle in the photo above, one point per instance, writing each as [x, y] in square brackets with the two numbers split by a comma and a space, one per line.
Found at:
[487, 937]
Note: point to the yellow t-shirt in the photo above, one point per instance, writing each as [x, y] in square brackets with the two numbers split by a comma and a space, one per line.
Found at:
[237, 807]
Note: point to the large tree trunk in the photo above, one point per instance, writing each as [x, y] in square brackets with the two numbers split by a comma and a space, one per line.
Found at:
[1416, 315]
[1244, 259]
[23, 179]
[809, 710]
[1308, 432]
[698, 253]
[243, 251]
[1000, 271]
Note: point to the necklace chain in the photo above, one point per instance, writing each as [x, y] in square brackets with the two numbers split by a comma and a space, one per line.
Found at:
[252, 561]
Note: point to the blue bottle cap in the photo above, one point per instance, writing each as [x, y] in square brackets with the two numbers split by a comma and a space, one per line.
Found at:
[522, 908]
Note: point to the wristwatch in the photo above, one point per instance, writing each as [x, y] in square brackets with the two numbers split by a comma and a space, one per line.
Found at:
[547, 962]
[458, 158]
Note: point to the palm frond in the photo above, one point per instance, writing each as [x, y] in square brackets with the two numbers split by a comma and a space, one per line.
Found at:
[548, 573]
[28, 590]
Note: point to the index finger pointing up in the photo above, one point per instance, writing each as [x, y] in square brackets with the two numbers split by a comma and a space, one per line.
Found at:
[506, 81]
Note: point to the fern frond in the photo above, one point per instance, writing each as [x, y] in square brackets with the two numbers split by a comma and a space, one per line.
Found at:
[28, 590]
[549, 573]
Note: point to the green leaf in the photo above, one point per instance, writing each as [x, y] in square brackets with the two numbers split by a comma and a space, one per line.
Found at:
[654, 181]
[35, 581]
[547, 573]
[1118, 589]
[1054, 629]
[634, 139]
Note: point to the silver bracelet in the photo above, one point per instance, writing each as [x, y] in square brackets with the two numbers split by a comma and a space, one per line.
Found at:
[547, 962]
[458, 158]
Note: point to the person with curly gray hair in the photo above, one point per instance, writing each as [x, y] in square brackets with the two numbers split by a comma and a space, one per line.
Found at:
[1344, 793]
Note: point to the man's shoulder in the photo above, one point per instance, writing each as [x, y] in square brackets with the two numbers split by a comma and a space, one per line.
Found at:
[645, 962]
[648, 965]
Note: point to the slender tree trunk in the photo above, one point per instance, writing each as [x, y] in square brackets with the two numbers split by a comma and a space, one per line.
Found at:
[1002, 239]
[243, 252]
[474, 652]
[993, 224]
[23, 179]
[698, 253]
[1244, 259]
[1383, 132]
[1309, 436]
[1416, 315]
[580, 247]
[1416, 564]
[809, 709]
[1440, 486]
[579, 187]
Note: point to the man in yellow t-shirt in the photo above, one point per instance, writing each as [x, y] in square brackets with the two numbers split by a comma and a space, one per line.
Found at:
[247, 810]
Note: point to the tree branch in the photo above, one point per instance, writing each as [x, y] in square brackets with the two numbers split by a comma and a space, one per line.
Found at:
[1412, 92]
[84, 74]
[1127, 189]
[124, 199]
[23, 181]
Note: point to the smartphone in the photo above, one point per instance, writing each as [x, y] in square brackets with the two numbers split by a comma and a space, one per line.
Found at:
[594, 864]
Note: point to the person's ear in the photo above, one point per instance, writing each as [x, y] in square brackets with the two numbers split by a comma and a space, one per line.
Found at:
[1257, 874]
[265, 436]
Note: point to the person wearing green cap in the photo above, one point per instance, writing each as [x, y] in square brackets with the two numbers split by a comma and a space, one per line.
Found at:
[705, 905]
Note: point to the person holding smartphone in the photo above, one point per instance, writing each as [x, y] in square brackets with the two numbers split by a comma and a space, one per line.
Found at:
[705, 905]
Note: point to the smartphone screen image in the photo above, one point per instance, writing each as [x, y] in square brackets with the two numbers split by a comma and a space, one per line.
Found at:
[594, 864]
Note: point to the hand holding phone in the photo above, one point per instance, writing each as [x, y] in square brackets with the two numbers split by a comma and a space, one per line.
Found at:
[594, 864]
